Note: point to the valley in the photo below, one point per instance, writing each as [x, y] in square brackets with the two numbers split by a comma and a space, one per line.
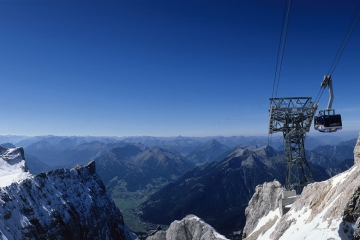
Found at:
[128, 203]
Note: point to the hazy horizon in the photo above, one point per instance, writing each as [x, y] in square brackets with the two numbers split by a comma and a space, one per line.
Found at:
[340, 134]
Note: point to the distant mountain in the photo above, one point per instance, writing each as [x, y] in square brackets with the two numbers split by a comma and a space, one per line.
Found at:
[328, 139]
[233, 141]
[11, 138]
[312, 142]
[350, 143]
[139, 168]
[63, 142]
[117, 165]
[180, 145]
[83, 153]
[341, 167]
[340, 152]
[53, 140]
[158, 159]
[207, 152]
[7, 145]
[325, 161]
[43, 150]
[146, 140]
[218, 192]
[35, 165]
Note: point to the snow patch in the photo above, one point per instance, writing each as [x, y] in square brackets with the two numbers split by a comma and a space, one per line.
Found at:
[271, 215]
[318, 228]
[340, 178]
[12, 167]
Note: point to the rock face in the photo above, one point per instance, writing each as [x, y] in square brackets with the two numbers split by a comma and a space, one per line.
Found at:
[325, 210]
[357, 152]
[265, 199]
[60, 204]
[190, 227]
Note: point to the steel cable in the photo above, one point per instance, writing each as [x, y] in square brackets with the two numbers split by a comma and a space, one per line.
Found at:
[345, 41]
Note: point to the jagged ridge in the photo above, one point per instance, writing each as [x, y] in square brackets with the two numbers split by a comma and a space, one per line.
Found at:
[60, 204]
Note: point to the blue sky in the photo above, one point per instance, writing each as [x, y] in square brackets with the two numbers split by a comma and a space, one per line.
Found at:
[167, 68]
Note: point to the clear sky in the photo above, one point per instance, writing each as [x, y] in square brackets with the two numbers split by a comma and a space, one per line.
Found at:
[167, 68]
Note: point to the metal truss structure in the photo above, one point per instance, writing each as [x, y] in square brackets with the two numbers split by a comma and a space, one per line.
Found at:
[293, 117]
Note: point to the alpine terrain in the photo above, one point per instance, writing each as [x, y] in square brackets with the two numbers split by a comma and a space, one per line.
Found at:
[325, 210]
[218, 192]
[59, 204]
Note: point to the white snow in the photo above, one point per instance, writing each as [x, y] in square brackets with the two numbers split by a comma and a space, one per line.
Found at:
[12, 167]
[317, 228]
[342, 176]
[321, 226]
[267, 218]
[266, 235]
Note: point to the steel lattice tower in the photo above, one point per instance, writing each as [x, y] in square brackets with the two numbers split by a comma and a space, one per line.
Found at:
[293, 117]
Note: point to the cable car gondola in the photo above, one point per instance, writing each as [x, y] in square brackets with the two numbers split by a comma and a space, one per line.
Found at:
[327, 120]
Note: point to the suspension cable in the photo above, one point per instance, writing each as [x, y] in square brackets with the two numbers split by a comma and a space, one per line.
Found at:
[345, 41]
[281, 48]
[341, 49]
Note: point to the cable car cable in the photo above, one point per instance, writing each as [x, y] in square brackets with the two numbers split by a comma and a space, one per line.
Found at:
[282, 42]
[341, 49]
[345, 41]
[281, 48]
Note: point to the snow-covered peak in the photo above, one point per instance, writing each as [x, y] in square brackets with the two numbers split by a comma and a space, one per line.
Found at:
[12, 166]
[59, 204]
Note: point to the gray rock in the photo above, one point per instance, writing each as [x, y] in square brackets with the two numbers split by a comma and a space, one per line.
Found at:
[357, 152]
[190, 227]
[265, 199]
[60, 204]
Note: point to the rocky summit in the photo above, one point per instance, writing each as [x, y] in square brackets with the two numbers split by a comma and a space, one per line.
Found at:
[60, 204]
[12, 166]
[190, 227]
[325, 210]
[265, 199]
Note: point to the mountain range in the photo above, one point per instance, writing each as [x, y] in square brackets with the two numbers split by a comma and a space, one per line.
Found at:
[140, 168]
[207, 152]
[218, 192]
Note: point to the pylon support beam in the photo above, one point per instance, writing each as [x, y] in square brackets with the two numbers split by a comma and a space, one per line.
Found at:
[293, 117]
